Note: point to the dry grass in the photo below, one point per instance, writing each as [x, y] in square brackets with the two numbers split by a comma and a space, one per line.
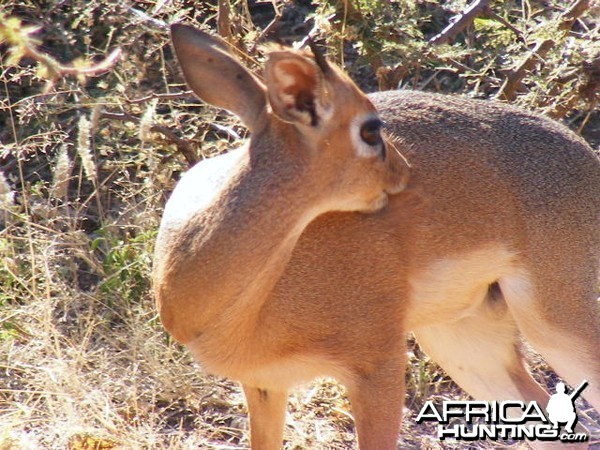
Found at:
[87, 160]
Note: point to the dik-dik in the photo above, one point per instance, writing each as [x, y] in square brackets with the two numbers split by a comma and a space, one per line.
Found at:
[348, 220]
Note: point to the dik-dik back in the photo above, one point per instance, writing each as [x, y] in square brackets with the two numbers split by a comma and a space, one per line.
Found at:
[497, 173]
[496, 237]
[280, 261]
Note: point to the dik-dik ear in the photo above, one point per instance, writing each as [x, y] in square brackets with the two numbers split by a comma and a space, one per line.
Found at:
[296, 88]
[216, 77]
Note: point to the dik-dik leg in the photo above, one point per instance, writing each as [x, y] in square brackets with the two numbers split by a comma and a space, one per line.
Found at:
[482, 354]
[560, 317]
[377, 398]
[266, 409]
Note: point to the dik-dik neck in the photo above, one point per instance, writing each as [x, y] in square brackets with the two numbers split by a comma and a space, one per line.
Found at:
[229, 256]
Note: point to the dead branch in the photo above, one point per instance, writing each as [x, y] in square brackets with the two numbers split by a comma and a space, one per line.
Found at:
[183, 146]
[460, 22]
[224, 20]
[119, 116]
[22, 45]
[508, 91]
[588, 89]
[513, 81]
[56, 70]
[93, 70]
[575, 11]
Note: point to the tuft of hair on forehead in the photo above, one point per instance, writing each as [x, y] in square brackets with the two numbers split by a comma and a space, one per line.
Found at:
[319, 56]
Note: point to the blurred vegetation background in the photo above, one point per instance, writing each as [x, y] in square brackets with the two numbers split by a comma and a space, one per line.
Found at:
[96, 127]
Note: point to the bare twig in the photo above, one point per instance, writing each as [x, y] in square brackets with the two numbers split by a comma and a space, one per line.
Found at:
[269, 27]
[149, 19]
[183, 146]
[168, 96]
[56, 70]
[119, 116]
[95, 69]
[460, 22]
[508, 91]
[498, 18]
[227, 130]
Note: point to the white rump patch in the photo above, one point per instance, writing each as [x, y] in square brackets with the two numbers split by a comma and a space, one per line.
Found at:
[199, 187]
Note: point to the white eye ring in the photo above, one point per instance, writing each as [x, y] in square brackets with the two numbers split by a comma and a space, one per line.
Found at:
[367, 146]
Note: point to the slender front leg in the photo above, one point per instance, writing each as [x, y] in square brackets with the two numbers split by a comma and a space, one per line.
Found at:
[377, 399]
[266, 409]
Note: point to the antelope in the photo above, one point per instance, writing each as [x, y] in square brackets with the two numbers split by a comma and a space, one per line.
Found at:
[348, 220]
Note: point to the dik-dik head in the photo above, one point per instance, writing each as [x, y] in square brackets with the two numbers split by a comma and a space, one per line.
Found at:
[307, 110]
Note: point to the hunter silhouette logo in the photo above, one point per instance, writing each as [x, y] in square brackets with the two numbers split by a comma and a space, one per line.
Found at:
[561, 406]
[510, 419]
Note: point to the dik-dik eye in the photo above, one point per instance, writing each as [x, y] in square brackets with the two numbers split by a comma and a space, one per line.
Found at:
[370, 132]
[366, 136]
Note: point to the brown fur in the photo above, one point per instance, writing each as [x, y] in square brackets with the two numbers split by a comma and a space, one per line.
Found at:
[268, 285]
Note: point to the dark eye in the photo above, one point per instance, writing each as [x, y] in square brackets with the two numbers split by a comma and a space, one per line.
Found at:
[370, 132]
